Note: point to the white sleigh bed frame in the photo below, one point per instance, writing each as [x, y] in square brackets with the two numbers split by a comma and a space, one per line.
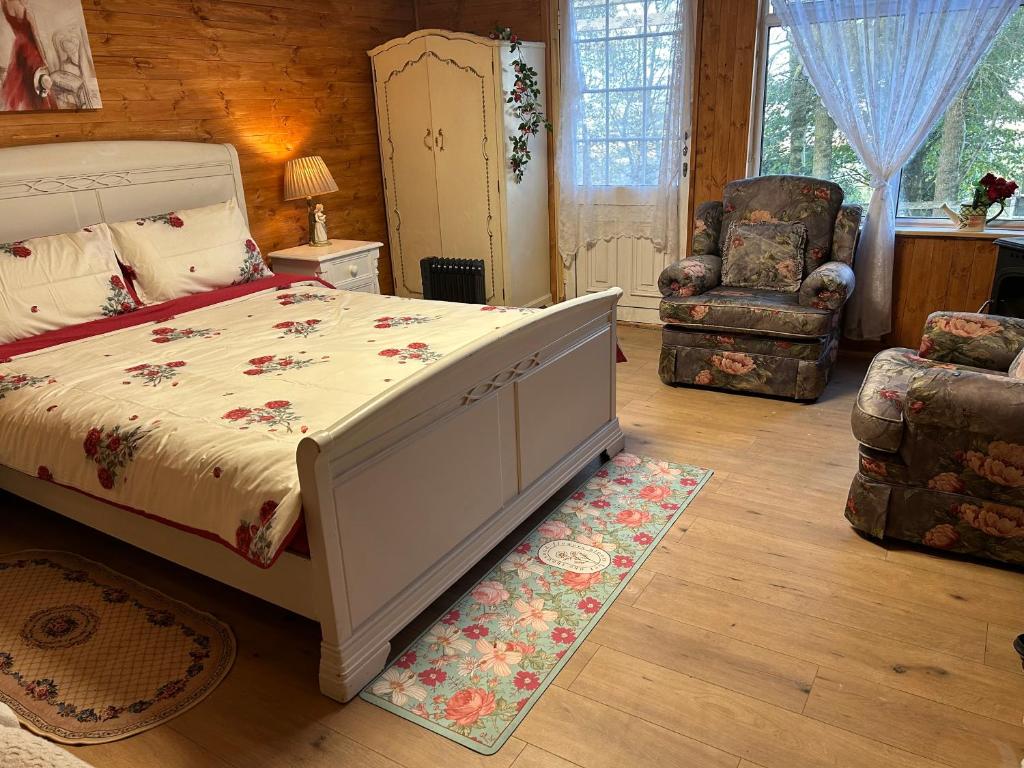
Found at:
[401, 497]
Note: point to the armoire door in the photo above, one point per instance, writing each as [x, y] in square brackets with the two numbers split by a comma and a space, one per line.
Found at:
[467, 154]
[407, 153]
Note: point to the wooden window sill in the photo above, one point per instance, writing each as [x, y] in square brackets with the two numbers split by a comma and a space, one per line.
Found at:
[988, 234]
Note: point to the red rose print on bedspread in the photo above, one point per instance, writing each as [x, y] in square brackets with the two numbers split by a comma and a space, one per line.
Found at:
[398, 322]
[297, 328]
[252, 537]
[252, 267]
[288, 299]
[12, 382]
[275, 364]
[155, 374]
[165, 335]
[112, 450]
[272, 414]
[417, 352]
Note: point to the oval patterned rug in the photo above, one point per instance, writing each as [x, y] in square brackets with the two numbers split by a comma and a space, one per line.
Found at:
[88, 655]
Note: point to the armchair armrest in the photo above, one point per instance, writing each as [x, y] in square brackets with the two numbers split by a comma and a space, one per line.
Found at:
[827, 287]
[956, 400]
[707, 227]
[969, 338]
[691, 276]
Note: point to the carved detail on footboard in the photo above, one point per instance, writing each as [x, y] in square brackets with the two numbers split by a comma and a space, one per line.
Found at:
[506, 377]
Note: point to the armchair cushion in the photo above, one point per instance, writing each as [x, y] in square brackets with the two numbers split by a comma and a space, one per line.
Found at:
[690, 277]
[767, 255]
[707, 227]
[749, 310]
[788, 198]
[827, 287]
[968, 338]
[963, 400]
[846, 233]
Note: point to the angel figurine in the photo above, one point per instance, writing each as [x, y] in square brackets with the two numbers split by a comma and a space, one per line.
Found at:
[320, 225]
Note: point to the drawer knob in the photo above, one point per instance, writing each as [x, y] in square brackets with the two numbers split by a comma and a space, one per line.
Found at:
[353, 270]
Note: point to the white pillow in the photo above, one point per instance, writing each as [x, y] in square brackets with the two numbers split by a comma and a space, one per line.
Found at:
[183, 252]
[48, 283]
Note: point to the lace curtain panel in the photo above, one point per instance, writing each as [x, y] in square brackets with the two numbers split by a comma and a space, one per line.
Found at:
[886, 70]
[625, 75]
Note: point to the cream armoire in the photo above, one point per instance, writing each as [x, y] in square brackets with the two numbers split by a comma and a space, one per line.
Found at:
[444, 126]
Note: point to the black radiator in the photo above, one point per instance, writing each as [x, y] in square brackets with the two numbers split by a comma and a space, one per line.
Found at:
[453, 280]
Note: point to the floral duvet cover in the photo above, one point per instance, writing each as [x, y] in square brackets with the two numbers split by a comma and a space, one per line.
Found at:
[191, 411]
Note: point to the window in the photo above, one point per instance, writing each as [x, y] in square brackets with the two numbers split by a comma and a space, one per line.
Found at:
[625, 54]
[982, 131]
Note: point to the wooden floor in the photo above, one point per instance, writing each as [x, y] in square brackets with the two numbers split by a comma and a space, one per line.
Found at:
[763, 631]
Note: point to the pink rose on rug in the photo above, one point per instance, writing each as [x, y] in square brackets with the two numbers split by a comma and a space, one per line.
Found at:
[581, 581]
[490, 593]
[554, 529]
[469, 705]
[633, 518]
[627, 460]
[655, 492]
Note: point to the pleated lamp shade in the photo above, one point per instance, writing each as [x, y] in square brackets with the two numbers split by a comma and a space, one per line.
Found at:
[307, 177]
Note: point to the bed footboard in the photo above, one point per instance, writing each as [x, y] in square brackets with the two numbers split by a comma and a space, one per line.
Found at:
[407, 494]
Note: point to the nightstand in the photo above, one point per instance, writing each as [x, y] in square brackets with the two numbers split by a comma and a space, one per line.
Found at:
[347, 264]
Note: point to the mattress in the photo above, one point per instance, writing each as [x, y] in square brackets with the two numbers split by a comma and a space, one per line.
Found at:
[190, 412]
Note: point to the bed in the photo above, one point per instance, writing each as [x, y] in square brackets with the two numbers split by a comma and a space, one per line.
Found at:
[484, 433]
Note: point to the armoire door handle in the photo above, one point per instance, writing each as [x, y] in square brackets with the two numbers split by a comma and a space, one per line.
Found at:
[426, 140]
[440, 134]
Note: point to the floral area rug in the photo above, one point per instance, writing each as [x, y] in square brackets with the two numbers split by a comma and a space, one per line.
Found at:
[88, 655]
[474, 675]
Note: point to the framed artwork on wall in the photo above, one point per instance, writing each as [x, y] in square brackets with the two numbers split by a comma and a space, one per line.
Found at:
[45, 60]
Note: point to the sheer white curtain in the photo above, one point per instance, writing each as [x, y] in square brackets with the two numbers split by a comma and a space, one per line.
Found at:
[886, 70]
[643, 202]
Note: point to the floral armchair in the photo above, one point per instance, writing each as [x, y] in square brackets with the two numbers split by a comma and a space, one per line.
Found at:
[941, 433]
[754, 321]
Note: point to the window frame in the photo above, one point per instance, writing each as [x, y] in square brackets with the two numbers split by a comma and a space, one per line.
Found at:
[766, 20]
[625, 193]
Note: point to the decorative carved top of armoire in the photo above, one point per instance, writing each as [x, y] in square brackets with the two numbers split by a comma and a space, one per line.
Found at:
[444, 132]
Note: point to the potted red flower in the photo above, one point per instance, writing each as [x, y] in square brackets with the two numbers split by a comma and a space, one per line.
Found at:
[990, 190]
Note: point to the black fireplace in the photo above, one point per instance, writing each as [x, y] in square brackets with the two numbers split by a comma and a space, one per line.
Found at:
[1008, 282]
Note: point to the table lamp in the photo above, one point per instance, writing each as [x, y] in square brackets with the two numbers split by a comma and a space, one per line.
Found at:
[307, 177]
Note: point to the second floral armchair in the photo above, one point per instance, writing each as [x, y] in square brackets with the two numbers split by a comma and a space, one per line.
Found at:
[756, 305]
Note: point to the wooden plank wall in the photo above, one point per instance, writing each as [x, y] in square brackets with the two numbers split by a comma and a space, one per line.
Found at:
[527, 18]
[932, 273]
[276, 79]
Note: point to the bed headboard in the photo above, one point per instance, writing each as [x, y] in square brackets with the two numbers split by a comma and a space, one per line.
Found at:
[48, 189]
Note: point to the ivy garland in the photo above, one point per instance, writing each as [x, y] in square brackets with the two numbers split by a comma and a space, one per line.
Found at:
[525, 100]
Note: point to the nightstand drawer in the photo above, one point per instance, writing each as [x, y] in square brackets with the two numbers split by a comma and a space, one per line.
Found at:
[343, 270]
[362, 284]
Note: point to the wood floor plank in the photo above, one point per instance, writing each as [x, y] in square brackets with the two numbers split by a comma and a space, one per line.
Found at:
[534, 757]
[760, 673]
[602, 736]
[960, 683]
[882, 615]
[165, 747]
[913, 723]
[759, 732]
[942, 591]
[999, 650]
[576, 663]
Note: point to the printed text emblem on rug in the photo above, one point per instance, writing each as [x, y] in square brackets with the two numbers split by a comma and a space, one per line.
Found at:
[474, 675]
[88, 655]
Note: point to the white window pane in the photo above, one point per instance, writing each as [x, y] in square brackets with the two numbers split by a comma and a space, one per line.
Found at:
[592, 63]
[653, 162]
[625, 163]
[625, 19]
[595, 113]
[625, 114]
[659, 60]
[625, 63]
[590, 22]
[596, 162]
[661, 15]
[656, 104]
[981, 132]
[798, 136]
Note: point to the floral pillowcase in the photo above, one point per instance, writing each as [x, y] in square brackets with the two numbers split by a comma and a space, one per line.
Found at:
[766, 255]
[48, 283]
[179, 253]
